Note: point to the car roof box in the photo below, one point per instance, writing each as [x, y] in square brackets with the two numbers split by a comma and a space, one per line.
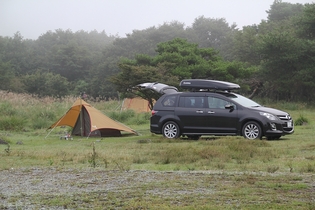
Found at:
[197, 84]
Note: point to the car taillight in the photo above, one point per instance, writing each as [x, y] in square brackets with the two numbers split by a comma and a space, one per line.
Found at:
[153, 112]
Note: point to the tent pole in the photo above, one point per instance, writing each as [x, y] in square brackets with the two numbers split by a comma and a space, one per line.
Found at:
[50, 132]
[54, 126]
[81, 117]
[88, 135]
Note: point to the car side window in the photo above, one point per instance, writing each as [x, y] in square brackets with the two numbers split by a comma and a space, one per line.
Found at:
[191, 102]
[218, 103]
[169, 101]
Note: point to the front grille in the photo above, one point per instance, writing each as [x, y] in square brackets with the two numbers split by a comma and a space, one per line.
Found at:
[285, 117]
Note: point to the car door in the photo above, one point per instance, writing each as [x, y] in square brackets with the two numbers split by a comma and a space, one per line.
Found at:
[220, 118]
[191, 114]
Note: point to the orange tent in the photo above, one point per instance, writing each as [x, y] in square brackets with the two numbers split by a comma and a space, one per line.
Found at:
[137, 104]
[88, 121]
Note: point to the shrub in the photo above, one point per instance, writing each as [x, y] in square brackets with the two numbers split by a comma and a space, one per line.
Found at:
[6, 109]
[40, 123]
[42, 118]
[122, 116]
[140, 119]
[301, 120]
[13, 123]
[272, 169]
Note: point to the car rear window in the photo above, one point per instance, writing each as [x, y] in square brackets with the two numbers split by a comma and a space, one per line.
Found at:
[191, 102]
[169, 101]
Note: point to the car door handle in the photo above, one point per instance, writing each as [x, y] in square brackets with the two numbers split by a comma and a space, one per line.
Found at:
[211, 112]
[199, 111]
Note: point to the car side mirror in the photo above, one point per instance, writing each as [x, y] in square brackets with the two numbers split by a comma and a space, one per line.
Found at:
[229, 106]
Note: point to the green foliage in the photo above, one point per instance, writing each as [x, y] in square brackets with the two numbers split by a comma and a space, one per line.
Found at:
[80, 86]
[286, 77]
[211, 170]
[265, 58]
[130, 117]
[7, 74]
[306, 23]
[40, 124]
[93, 157]
[244, 47]
[12, 123]
[140, 119]
[46, 84]
[213, 33]
[42, 118]
[6, 109]
[302, 120]
[11, 118]
[176, 60]
[283, 10]
[122, 116]
[186, 60]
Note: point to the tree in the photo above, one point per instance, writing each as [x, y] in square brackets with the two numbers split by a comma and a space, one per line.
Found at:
[306, 23]
[212, 33]
[244, 46]
[16, 51]
[7, 74]
[288, 59]
[176, 60]
[44, 83]
[282, 10]
[186, 60]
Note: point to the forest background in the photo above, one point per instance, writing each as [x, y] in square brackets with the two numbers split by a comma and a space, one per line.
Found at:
[274, 59]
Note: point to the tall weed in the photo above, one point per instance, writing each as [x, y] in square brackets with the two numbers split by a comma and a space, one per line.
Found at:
[6, 109]
[302, 120]
[13, 123]
[123, 116]
[140, 119]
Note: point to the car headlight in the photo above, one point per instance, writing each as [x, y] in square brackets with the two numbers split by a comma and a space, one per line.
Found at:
[268, 115]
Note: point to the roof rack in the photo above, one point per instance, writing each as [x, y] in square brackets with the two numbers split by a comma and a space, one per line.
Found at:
[202, 84]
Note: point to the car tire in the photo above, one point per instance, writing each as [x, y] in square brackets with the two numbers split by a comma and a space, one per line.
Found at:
[171, 130]
[252, 130]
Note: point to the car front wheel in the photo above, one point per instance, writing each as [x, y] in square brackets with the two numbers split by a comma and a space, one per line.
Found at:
[252, 130]
[170, 130]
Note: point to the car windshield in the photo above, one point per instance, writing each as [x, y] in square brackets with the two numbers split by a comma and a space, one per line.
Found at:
[243, 100]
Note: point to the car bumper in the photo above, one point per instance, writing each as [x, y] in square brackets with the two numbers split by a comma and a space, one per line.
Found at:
[155, 129]
[279, 129]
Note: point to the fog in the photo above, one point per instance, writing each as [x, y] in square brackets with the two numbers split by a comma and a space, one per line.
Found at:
[119, 17]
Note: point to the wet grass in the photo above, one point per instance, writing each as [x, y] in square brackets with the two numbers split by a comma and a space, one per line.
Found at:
[185, 190]
[211, 173]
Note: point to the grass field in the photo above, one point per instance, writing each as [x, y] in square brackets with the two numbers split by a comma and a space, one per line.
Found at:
[155, 173]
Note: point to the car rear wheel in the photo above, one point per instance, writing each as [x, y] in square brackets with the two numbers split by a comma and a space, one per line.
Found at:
[252, 130]
[170, 130]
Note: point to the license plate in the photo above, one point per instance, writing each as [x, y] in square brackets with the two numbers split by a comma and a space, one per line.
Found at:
[289, 124]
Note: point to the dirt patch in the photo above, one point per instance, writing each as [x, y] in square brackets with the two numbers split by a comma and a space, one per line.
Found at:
[53, 188]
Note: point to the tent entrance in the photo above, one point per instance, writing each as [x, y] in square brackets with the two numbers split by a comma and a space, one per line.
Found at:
[83, 124]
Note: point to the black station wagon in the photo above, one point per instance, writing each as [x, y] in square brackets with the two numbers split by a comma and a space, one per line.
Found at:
[211, 108]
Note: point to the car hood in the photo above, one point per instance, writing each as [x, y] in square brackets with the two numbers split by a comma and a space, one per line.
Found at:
[270, 110]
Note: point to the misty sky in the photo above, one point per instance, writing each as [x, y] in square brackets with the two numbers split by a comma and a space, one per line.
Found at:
[33, 18]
